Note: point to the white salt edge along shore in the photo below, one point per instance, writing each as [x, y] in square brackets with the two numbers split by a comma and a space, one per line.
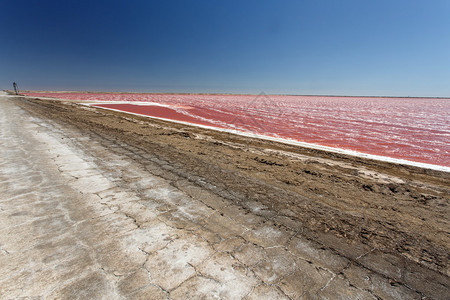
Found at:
[275, 139]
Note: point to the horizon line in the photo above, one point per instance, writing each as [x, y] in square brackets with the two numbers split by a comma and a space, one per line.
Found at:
[236, 94]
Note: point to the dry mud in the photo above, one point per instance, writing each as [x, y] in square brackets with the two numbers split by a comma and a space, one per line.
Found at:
[263, 218]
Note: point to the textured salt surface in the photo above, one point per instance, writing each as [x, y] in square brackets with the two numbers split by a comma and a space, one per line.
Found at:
[411, 129]
[178, 118]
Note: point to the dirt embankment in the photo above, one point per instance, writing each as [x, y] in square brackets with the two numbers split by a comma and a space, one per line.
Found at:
[339, 201]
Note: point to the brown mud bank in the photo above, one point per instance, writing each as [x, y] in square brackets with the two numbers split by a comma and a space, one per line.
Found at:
[390, 219]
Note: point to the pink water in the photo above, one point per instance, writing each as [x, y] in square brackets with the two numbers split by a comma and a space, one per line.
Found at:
[414, 129]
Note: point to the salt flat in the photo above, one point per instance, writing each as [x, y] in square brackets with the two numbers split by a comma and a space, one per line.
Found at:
[86, 215]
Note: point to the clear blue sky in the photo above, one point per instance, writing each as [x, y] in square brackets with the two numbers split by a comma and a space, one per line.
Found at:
[393, 47]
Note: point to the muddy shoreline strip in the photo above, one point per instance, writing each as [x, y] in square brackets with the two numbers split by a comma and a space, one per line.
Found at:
[382, 215]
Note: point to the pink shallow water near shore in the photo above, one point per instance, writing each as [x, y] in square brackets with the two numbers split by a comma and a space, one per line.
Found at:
[414, 129]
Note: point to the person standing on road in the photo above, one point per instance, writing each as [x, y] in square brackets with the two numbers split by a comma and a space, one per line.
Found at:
[16, 89]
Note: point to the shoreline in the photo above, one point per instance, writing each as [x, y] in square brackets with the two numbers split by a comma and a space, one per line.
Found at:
[341, 151]
[282, 140]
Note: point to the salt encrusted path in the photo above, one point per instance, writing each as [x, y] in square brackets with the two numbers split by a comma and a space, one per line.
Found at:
[84, 216]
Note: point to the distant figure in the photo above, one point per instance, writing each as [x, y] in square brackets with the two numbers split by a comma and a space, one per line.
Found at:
[16, 89]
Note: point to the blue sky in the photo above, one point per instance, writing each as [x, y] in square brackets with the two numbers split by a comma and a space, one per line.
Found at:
[395, 47]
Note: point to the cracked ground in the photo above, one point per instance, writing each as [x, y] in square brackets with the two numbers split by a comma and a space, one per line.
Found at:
[101, 205]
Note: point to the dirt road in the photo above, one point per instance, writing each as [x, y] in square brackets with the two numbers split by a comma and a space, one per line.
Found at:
[100, 204]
